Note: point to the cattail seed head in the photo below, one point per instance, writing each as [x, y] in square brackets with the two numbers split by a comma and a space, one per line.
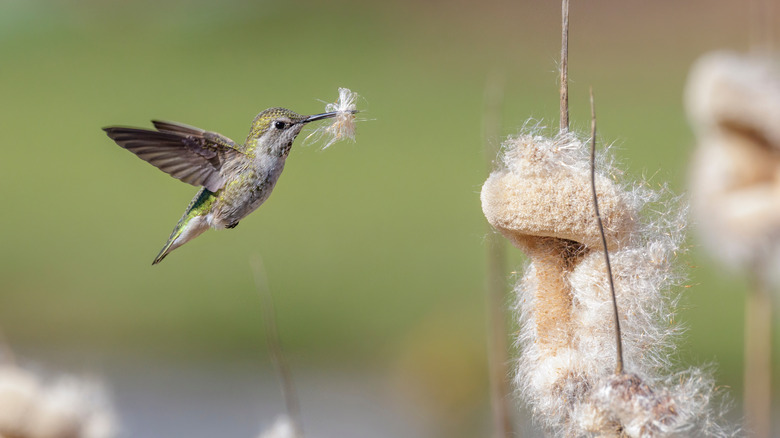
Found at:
[733, 103]
[541, 200]
[283, 427]
[544, 191]
[63, 408]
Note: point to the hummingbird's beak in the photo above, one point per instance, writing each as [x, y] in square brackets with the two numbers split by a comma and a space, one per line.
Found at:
[316, 117]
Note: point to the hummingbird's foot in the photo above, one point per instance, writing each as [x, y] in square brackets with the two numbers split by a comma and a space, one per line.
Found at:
[233, 225]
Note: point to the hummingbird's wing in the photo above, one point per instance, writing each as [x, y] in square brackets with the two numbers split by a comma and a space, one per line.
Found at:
[181, 128]
[190, 154]
[213, 138]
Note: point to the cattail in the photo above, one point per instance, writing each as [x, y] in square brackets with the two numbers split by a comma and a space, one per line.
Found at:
[541, 201]
[63, 408]
[282, 428]
[625, 405]
[733, 103]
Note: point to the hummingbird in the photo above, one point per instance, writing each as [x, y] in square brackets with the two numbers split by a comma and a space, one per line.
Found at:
[235, 179]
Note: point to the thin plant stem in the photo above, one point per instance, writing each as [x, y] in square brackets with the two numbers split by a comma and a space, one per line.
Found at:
[758, 302]
[761, 26]
[618, 337]
[6, 352]
[498, 357]
[758, 358]
[275, 346]
[564, 66]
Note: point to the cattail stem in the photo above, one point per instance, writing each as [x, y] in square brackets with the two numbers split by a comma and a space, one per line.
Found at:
[6, 352]
[275, 346]
[618, 337]
[564, 65]
[554, 260]
[760, 24]
[498, 356]
[758, 359]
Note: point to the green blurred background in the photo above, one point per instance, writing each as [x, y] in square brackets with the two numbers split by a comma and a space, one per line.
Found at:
[374, 251]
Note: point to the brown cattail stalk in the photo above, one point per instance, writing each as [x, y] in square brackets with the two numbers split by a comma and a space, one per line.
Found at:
[564, 66]
[758, 302]
[758, 359]
[277, 354]
[498, 357]
[761, 28]
[7, 355]
[618, 337]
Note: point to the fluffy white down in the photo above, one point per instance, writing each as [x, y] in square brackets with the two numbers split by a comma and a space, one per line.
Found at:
[561, 384]
[282, 428]
[63, 408]
[733, 103]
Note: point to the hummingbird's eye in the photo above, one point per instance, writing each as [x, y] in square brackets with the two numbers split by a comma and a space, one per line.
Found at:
[279, 125]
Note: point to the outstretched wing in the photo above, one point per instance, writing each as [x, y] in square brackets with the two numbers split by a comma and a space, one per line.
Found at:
[190, 154]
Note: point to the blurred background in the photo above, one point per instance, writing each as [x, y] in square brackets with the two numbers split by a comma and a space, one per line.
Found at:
[374, 251]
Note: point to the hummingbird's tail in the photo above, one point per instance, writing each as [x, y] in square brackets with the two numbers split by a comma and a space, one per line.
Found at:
[191, 225]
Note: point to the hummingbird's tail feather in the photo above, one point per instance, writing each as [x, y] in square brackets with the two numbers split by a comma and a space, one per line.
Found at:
[193, 228]
[191, 225]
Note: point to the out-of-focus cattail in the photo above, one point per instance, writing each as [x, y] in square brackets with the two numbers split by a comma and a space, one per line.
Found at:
[541, 201]
[282, 428]
[63, 408]
[733, 103]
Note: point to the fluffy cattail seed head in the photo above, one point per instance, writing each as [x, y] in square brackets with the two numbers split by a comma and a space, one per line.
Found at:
[544, 191]
[283, 427]
[541, 200]
[733, 103]
[63, 408]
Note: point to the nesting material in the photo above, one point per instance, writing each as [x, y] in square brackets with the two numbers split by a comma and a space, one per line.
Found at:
[342, 126]
[733, 103]
[63, 408]
[541, 201]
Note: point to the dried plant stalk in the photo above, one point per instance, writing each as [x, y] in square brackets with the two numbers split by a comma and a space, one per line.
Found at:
[564, 65]
[758, 361]
[607, 264]
[498, 356]
[289, 425]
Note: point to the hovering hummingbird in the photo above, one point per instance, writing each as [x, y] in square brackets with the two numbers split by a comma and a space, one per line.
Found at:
[235, 178]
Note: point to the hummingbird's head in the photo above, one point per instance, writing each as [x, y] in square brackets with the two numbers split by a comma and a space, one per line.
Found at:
[274, 130]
